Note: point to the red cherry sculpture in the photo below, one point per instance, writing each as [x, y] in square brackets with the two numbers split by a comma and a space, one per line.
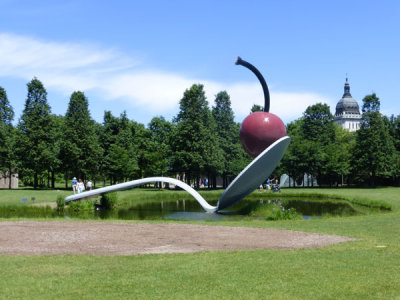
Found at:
[260, 129]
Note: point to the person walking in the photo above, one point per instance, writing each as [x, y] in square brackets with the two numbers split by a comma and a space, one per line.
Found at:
[81, 186]
[74, 185]
[268, 184]
[89, 185]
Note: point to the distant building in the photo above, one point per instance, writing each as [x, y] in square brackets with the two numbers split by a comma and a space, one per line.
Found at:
[347, 112]
[5, 181]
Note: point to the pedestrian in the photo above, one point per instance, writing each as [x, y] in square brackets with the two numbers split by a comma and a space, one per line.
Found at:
[81, 186]
[89, 185]
[74, 185]
[268, 184]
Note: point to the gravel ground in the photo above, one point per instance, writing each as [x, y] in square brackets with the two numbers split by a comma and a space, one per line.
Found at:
[99, 238]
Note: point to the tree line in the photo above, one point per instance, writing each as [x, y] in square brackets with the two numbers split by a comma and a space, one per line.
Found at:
[333, 155]
[198, 143]
[44, 148]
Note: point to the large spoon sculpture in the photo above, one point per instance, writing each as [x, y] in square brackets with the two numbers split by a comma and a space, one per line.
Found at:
[247, 181]
[262, 135]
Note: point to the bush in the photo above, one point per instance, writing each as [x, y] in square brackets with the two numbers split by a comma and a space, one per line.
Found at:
[81, 205]
[108, 200]
[60, 203]
[271, 211]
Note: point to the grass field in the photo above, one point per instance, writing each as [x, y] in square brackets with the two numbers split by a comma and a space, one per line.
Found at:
[366, 269]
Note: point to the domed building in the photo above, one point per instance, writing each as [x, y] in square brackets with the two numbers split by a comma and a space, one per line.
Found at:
[347, 112]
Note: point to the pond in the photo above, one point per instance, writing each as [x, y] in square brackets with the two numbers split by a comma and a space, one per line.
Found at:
[191, 210]
[277, 209]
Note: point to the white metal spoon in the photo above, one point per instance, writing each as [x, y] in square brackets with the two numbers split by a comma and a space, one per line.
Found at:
[247, 181]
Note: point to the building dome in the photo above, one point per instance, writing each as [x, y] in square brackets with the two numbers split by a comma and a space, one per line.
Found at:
[347, 105]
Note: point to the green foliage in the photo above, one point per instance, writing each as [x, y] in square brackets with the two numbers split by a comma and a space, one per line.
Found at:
[234, 158]
[15, 211]
[60, 203]
[35, 136]
[143, 148]
[6, 110]
[108, 200]
[317, 124]
[161, 136]
[8, 161]
[82, 205]
[333, 155]
[199, 142]
[80, 151]
[374, 152]
[277, 213]
[256, 107]
[270, 210]
[195, 146]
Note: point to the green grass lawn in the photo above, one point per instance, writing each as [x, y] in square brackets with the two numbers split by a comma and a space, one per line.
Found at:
[366, 269]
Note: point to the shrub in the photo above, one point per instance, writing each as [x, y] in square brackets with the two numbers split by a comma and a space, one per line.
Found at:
[272, 211]
[81, 205]
[60, 203]
[108, 200]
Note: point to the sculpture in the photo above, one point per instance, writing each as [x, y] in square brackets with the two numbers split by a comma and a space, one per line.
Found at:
[260, 129]
[268, 148]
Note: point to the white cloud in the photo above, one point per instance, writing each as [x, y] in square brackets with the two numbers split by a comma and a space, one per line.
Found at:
[68, 67]
[288, 106]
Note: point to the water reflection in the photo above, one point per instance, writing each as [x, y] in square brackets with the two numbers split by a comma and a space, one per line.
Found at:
[191, 210]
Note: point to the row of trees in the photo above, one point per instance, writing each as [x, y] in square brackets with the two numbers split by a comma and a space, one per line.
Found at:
[44, 147]
[334, 155]
[199, 141]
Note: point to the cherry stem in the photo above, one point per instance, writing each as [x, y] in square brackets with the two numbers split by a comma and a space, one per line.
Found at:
[252, 68]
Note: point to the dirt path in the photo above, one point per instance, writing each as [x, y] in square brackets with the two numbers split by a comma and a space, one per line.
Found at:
[96, 238]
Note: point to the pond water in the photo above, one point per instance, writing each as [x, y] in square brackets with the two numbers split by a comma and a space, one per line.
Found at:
[276, 209]
[191, 210]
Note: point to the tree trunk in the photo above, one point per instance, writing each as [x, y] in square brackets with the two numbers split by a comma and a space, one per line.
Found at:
[53, 180]
[35, 180]
[10, 175]
[373, 178]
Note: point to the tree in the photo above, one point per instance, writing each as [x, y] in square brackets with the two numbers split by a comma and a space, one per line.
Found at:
[80, 151]
[107, 132]
[143, 148]
[318, 124]
[128, 153]
[120, 159]
[161, 134]
[337, 156]
[374, 147]
[394, 131]
[319, 147]
[294, 162]
[233, 158]
[57, 137]
[7, 137]
[194, 146]
[35, 139]
[256, 107]
[319, 132]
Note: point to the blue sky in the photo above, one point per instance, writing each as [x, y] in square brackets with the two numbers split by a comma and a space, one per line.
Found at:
[140, 56]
